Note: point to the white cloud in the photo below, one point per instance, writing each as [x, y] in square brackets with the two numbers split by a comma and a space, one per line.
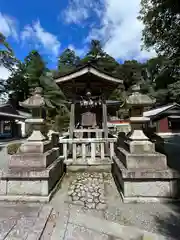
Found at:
[119, 29]
[38, 36]
[80, 10]
[124, 30]
[8, 26]
[4, 73]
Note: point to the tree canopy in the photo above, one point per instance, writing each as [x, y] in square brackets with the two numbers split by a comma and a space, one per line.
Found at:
[162, 29]
[161, 19]
[155, 77]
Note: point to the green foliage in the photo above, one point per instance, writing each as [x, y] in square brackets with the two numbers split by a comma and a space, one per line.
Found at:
[67, 60]
[17, 85]
[7, 58]
[61, 123]
[35, 67]
[162, 30]
[13, 148]
[56, 102]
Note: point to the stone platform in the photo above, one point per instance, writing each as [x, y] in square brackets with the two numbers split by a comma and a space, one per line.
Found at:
[146, 185]
[31, 185]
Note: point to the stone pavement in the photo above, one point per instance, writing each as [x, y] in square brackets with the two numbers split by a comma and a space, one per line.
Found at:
[22, 221]
[88, 190]
[76, 219]
[67, 219]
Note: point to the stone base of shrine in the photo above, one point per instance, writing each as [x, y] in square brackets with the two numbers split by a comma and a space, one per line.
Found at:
[146, 185]
[30, 185]
[97, 165]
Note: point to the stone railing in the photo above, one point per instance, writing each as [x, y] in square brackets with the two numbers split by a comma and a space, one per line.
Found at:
[88, 147]
[88, 133]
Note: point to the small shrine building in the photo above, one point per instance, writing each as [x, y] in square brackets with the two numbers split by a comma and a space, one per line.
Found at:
[88, 89]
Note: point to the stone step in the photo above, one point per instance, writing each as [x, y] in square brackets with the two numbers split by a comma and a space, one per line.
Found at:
[97, 165]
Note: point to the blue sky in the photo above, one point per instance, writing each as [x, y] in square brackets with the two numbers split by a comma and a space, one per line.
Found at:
[52, 26]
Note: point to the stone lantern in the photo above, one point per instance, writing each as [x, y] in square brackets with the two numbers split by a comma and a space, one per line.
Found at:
[36, 104]
[37, 151]
[140, 151]
[138, 168]
[37, 167]
[136, 102]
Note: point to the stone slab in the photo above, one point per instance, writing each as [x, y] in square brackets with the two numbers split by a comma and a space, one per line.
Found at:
[145, 173]
[147, 186]
[142, 161]
[147, 189]
[40, 223]
[33, 160]
[61, 224]
[6, 226]
[36, 147]
[32, 174]
[22, 228]
[36, 188]
[32, 198]
[105, 227]
[103, 165]
[17, 220]
[139, 147]
[78, 232]
[3, 187]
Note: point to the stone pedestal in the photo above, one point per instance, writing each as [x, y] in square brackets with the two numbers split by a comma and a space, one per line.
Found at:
[146, 185]
[31, 185]
[34, 172]
[142, 173]
[36, 168]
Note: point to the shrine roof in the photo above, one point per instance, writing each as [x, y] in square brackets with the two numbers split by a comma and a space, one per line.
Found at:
[87, 69]
[7, 110]
[161, 110]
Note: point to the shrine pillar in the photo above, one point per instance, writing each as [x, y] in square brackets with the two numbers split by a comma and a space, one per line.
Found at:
[72, 120]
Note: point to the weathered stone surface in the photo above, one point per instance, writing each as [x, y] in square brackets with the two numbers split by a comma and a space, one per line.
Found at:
[27, 187]
[147, 189]
[139, 147]
[142, 161]
[3, 187]
[78, 232]
[35, 147]
[32, 160]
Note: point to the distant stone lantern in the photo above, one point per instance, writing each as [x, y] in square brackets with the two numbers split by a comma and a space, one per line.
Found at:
[136, 102]
[36, 104]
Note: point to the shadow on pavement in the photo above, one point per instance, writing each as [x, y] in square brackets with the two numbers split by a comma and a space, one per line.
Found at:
[169, 225]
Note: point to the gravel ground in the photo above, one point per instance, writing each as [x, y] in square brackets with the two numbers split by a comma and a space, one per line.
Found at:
[152, 217]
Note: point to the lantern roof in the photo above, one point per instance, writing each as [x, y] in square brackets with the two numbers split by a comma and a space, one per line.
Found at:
[139, 99]
[35, 101]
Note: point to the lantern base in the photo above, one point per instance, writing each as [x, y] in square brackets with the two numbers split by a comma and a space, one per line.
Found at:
[36, 136]
[35, 147]
[31, 185]
[34, 161]
[153, 160]
[146, 185]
